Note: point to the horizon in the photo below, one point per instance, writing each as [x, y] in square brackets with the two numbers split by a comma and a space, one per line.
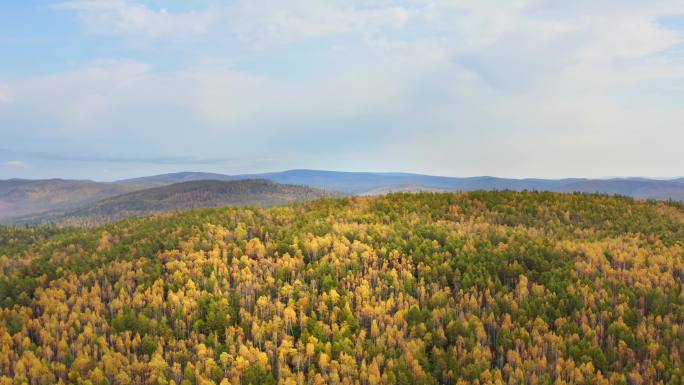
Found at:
[130, 178]
[109, 89]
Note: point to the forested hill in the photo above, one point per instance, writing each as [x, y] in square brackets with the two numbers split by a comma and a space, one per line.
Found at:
[180, 197]
[430, 288]
[20, 197]
[26, 201]
[365, 183]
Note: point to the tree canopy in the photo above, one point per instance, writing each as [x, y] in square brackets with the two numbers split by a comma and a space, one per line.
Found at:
[429, 288]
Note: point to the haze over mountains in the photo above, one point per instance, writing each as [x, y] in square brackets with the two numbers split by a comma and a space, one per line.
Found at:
[366, 182]
[20, 197]
[39, 201]
[178, 197]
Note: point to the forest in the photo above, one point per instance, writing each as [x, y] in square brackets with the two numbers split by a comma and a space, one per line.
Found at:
[497, 287]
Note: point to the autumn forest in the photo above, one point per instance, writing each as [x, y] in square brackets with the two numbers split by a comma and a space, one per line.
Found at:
[533, 288]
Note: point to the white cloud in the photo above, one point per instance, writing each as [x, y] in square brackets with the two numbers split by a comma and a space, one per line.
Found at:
[523, 88]
[73, 102]
[5, 96]
[138, 22]
[265, 22]
[126, 96]
[15, 164]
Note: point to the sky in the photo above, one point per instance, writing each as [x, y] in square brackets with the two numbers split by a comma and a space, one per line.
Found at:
[111, 89]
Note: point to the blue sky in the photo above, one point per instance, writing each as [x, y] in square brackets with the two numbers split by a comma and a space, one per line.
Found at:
[109, 89]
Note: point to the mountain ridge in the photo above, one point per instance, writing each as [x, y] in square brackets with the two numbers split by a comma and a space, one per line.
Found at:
[25, 197]
[363, 183]
[181, 196]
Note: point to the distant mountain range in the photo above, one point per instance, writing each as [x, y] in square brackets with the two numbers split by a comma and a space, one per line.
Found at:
[178, 197]
[637, 188]
[364, 182]
[59, 199]
[358, 183]
[20, 197]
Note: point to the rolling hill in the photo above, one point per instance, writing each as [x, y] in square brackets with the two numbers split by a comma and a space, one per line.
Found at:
[26, 198]
[177, 177]
[636, 188]
[363, 182]
[179, 197]
[20, 197]
[367, 183]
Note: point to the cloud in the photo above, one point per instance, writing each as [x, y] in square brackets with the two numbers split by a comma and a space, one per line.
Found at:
[524, 88]
[5, 96]
[266, 22]
[94, 98]
[15, 164]
[138, 22]
[259, 23]
[160, 160]
[71, 102]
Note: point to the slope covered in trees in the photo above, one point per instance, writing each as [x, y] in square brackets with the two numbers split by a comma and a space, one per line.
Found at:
[20, 197]
[179, 197]
[472, 288]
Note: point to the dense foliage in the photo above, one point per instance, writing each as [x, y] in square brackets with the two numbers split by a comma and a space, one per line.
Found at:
[473, 288]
